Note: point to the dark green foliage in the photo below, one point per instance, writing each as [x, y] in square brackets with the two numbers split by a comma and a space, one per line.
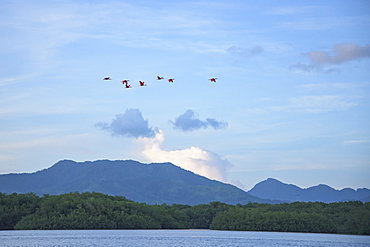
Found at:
[14, 206]
[98, 211]
[252, 220]
[201, 216]
[89, 211]
[344, 217]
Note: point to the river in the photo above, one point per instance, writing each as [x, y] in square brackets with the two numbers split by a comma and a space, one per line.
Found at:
[175, 238]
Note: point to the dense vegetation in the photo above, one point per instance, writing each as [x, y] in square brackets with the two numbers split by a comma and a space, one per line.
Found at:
[99, 211]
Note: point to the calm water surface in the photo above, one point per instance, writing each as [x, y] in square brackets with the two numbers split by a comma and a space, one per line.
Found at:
[175, 238]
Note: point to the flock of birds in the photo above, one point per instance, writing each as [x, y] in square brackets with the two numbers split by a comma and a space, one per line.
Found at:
[141, 83]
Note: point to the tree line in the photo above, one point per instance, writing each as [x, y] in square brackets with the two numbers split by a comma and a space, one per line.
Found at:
[99, 211]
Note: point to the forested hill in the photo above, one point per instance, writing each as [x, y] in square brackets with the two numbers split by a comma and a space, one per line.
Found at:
[274, 189]
[149, 183]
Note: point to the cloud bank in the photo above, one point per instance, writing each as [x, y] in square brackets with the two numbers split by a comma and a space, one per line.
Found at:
[130, 124]
[195, 159]
[341, 53]
[187, 122]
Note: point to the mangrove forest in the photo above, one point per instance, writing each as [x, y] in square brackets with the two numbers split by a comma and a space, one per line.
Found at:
[99, 211]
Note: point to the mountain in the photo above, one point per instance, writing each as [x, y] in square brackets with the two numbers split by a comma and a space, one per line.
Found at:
[276, 190]
[149, 183]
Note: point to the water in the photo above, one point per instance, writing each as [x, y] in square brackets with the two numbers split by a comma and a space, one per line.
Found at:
[175, 238]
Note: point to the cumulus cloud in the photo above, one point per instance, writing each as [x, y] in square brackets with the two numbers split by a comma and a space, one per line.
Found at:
[150, 144]
[187, 122]
[195, 159]
[130, 124]
[341, 53]
[245, 52]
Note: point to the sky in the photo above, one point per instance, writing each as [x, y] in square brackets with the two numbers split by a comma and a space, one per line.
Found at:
[291, 99]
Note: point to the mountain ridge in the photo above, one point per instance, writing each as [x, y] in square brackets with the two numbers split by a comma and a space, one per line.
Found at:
[150, 183]
[163, 183]
[276, 190]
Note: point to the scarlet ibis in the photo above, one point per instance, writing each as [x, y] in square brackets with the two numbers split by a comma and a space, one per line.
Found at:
[171, 80]
[160, 78]
[107, 78]
[213, 79]
[142, 83]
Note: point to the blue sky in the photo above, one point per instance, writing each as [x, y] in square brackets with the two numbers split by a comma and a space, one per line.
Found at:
[291, 100]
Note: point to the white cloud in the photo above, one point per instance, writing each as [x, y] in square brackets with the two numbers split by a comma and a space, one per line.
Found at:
[316, 104]
[150, 141]
[195, 159]
[41, 101]
[315, 19]
[323, 86]
[48, 27]
[289, 10]
[355, 141]
[9, 80]
[310, 24]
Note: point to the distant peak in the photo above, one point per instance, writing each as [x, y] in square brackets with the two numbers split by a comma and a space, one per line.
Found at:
[273, 180]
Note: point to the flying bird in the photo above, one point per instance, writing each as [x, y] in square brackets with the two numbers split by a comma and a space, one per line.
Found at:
[160, 78]
[125, 81]
[107, 78]
[127, 85]
[213, 79]
[171, 80]
[142, 83]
